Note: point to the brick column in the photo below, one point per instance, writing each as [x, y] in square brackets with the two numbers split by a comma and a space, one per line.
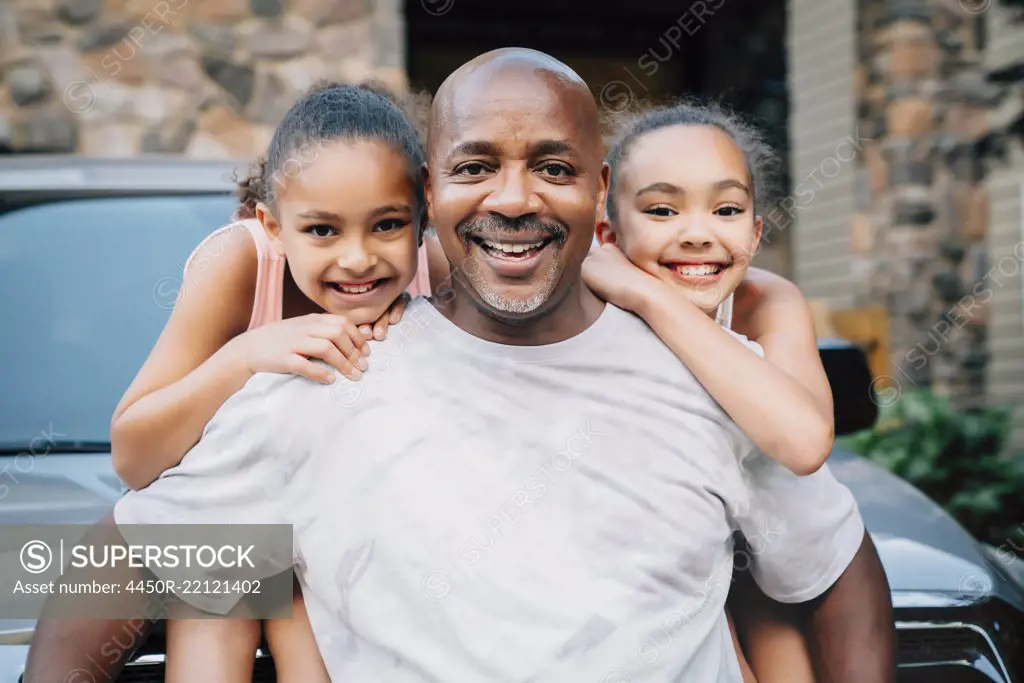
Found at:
[918, 236]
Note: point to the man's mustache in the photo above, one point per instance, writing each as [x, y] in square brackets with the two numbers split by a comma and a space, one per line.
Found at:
[496, 223]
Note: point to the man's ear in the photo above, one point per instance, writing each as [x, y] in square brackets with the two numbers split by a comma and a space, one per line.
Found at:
[270, 225]
[602, 189]
[425, 174]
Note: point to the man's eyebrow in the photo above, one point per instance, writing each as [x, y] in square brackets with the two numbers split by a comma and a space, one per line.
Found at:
[481, 148]
[554, 148]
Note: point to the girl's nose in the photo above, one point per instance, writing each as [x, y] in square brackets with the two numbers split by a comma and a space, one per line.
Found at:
[356, 258]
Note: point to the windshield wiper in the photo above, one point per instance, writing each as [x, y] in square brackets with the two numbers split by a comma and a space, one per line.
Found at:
[39, 446]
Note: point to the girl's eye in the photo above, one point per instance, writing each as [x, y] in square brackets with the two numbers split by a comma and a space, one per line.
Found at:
[472, 168]
[390, 224]
[321, 230]
[661, 211]
[729, 211]
[557, 170]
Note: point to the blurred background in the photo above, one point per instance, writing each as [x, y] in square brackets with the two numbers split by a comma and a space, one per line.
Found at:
[901, 215]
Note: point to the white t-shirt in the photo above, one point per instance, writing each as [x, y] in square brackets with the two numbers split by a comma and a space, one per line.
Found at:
[472, 511]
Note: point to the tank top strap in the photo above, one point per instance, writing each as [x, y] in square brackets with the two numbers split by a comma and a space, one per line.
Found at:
[267, 306]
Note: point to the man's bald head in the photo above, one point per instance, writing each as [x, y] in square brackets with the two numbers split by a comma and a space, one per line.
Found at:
[494, 70]
[515, 178]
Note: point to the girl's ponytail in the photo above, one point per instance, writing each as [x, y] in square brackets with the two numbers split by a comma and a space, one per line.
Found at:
[252, 190]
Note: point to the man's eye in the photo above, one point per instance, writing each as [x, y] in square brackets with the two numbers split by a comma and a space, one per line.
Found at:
[473, 168]
[321, 230]
[557, 170]
[729, 211]
[390, 225]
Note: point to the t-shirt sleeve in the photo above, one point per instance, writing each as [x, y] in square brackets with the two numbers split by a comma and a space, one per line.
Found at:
[234, 475]
[802, 532]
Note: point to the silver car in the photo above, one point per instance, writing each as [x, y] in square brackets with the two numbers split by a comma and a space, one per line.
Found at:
[91, 260]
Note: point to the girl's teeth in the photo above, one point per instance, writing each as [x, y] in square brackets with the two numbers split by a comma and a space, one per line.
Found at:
[511, 248]
[359, 289]
[698, 270]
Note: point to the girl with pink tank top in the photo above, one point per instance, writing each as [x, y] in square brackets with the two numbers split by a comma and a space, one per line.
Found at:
[314, 265]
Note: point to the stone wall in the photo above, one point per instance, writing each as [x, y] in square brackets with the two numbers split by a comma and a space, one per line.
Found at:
[919, 233]
[200, 78]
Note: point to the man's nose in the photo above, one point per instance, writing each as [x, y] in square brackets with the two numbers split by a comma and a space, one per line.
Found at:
[514, 195]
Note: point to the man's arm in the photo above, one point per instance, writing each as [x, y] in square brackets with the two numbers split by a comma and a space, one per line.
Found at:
[851, 632]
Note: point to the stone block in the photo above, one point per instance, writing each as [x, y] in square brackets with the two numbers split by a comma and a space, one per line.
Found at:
[972, 212]
[236, 79]
[270, 100]
[910, 117]
[267, 9]
[343, 41]
[279, 40]
[322, 12]
[862, 237]
[48, 129]
[215, 39]
[77, 12]
[913, 59]
[28, 83]
[111, 139]
[226, 11]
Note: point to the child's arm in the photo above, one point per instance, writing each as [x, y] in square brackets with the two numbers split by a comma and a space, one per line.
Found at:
[780, 410]
[204, 355]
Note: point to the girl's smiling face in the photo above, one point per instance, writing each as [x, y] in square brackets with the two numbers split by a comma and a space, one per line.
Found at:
[684, 211]
[346, 221]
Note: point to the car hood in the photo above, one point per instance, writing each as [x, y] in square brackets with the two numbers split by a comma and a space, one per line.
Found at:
[921, 546]
[923, 549]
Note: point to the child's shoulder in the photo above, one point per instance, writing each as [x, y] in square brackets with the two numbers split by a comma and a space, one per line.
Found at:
[226, 263]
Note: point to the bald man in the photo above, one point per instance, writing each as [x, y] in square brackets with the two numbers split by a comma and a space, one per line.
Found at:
[527, 485]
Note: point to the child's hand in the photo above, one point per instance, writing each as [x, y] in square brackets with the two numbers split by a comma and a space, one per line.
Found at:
[392, 316]
[287, 346]
[614, 278]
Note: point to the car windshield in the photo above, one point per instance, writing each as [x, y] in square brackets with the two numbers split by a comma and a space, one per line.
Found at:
[88, 286]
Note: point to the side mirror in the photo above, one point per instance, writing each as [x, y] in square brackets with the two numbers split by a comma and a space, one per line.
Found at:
[853, 394]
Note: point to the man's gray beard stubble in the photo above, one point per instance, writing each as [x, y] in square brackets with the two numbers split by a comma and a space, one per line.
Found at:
[514, 305]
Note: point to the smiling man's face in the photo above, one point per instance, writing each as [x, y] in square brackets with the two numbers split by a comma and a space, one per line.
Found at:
[515, 179]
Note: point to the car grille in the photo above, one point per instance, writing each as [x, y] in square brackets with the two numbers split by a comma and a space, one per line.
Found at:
[947, 653]
[153, 672]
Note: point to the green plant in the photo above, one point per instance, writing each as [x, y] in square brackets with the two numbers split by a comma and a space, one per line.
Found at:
[953, 456]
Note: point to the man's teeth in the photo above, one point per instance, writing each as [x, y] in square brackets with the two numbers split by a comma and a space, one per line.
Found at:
[695, 271]
[511, 248]
[357, 289]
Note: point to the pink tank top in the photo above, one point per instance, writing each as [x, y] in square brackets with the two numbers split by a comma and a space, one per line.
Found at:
[268, 304]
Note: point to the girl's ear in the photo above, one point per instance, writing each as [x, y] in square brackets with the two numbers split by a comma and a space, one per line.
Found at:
[605, 233]
[270, 225]
[755, 244]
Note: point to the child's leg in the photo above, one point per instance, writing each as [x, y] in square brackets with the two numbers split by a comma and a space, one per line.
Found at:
[772, 639]
[211, 650]
[748, 675]
[296, 655]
